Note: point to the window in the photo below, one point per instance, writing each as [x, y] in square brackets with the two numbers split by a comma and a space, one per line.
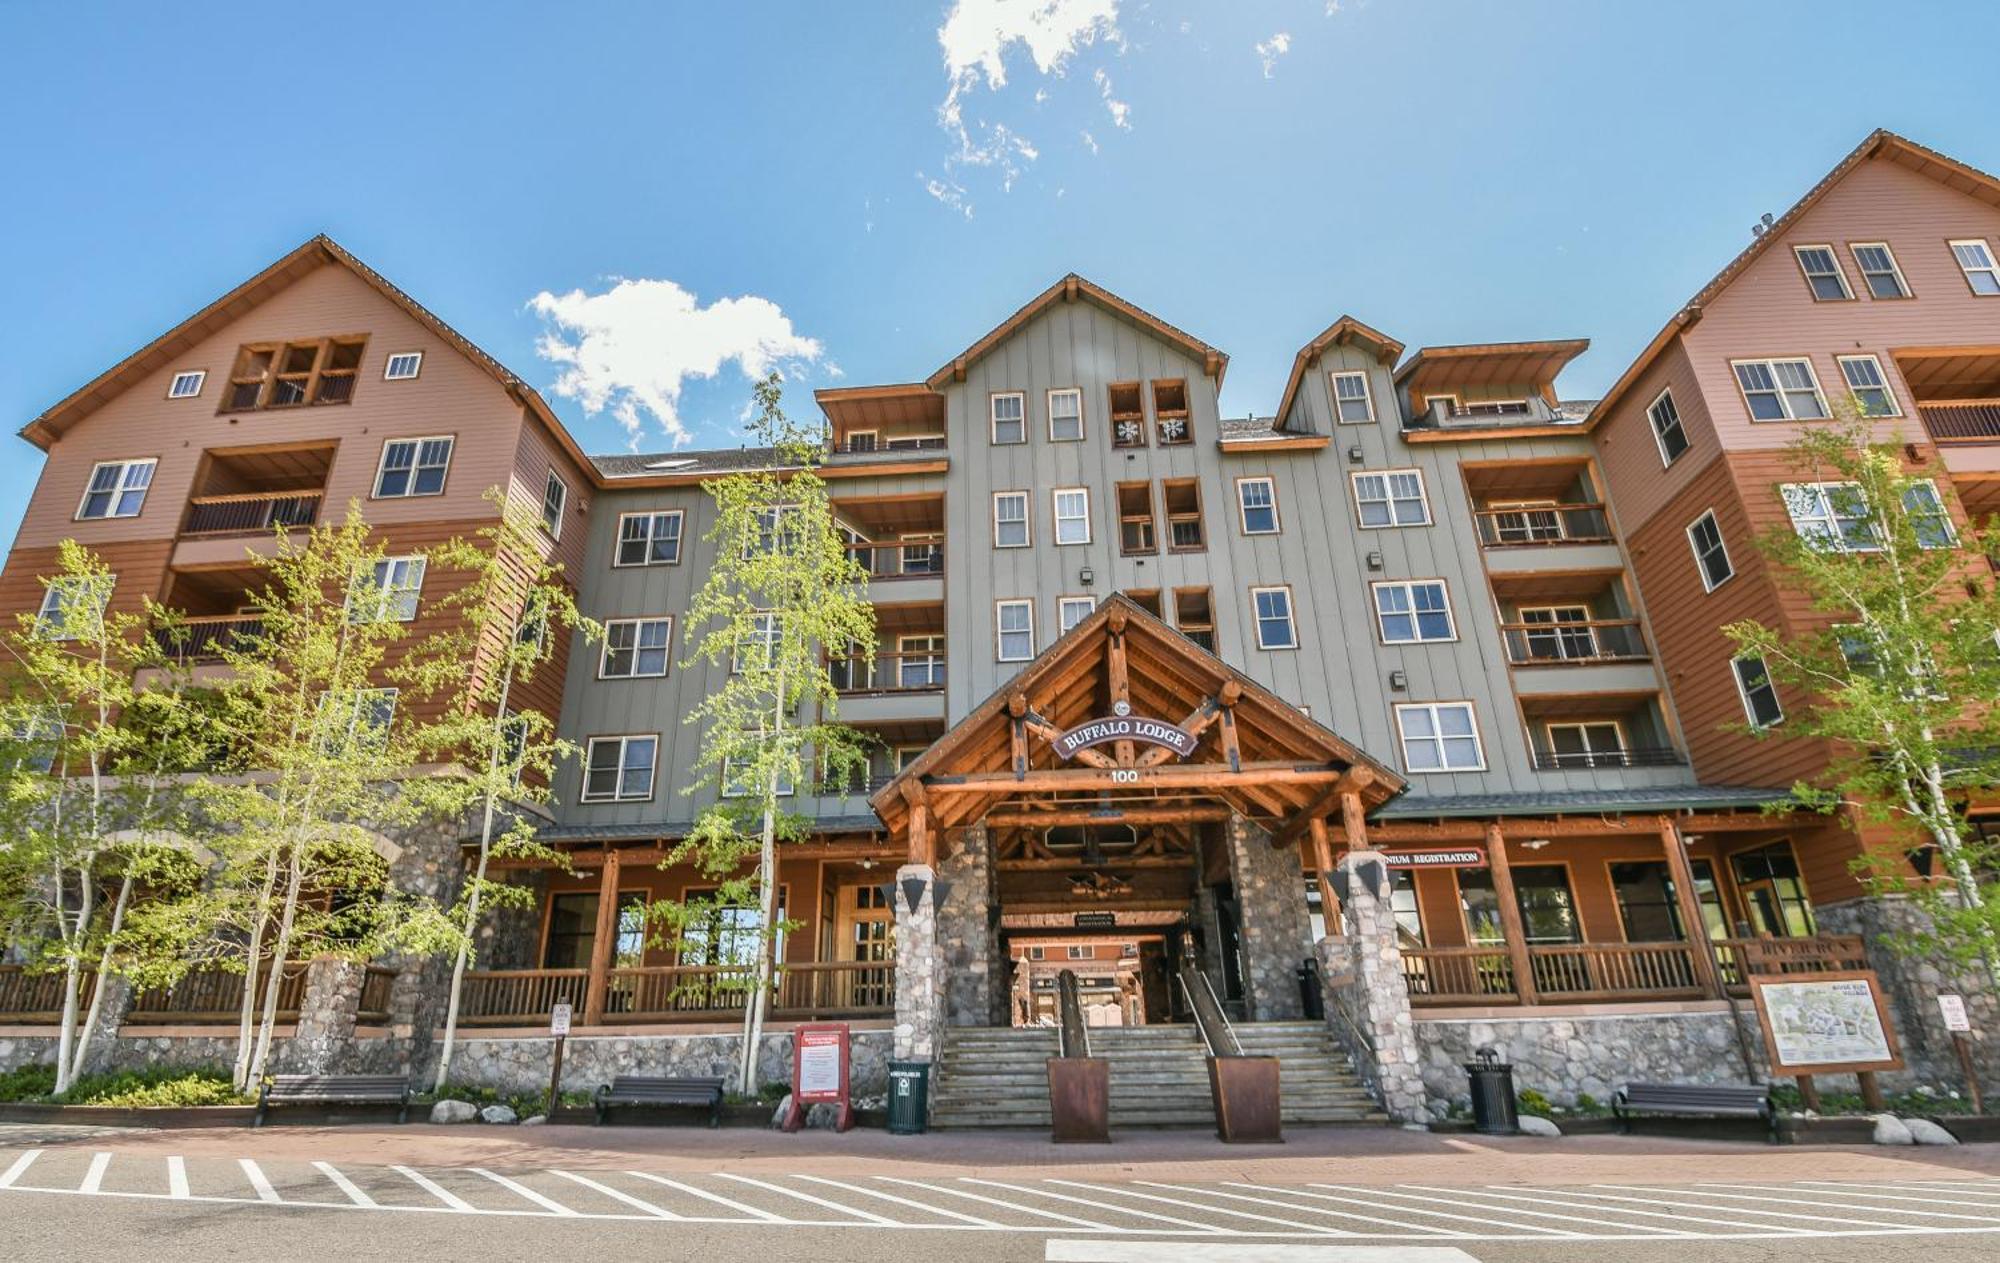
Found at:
[1589, 744]
[1870, 388]
[1071, 610]
[1257, 506]
[1010, 519]
[757, 649]
[1780, 390]
[1352, 404]
[359, 719]
[1760, 696]
[1667, 430]
[515, 729]
[1878, 270]
[1649, 905]
[1558, 633]
[1072, 514]
[1497, 408]
[1392, 498]
[1038, 953]
[187, 385]
[1410, 613]
[1541, 892]
[402, 366]
[1194, 615]
[1831, 516]
[1975, 259]
[1184, 529]
[1170, 412]
[73, 606]
[1273, 609]
[1773, 893]
[1137, 532]
[388, 593]
[635, 648]
[619, 769]
[1710, 557]
[920, 662]
[1014, 630]
[921, 554]
[413, 467]
[1439, 737]
[117, 488]
[1081, 951]
[1128, 415]
[1147, 599]
[1822, 272]
[724, 934]
[555, 494]
[775, 531]
[1065, 415]
[736, 772]
[292, 374]
[649, 539]
[1928, 518]
[1010, 418]
[573, 930]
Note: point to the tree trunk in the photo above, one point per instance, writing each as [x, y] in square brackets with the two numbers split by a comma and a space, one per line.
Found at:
[767, 899]
[73, 941]
[269, 1021]
[246, 1016]
[498, 739]
[89, 1026]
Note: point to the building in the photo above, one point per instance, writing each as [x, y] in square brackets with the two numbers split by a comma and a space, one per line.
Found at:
[1152, 684]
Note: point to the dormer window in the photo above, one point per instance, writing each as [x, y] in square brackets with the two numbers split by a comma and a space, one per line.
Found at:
[1351, 402]
[294, 374]
[1170, 412]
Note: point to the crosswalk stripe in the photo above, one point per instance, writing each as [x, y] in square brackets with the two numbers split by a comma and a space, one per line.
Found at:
[1535, 1229]
[1543, 1229]
[177, 1178]
[1102, 1251]
[93, 1178]
[1880, 1197]
[717, 1198]
[345, 1185]
[1058, 1216]
[18, 1167]
[1085, 1201]
[1327, 1210]
[1583, 1201]
[641, 1203]
[1240, 1197]
[549, 1204]
[903, 1201]
[435, 1189]
[1819, 1218]
[1546, 1214]
[1928, 1186]
[867, 1215]
[255, 1174]
[1317, 1229]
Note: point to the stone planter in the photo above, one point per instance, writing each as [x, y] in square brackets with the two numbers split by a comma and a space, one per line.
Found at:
[1970, 1129]
[129, 1116]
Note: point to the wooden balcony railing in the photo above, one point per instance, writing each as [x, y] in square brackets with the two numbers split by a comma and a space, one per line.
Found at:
[1577, 973]
[1543, 525]
[253, 511]
[680, 993]
[899, 561]
[377, 985]
[1591, 640]
[1970, 422]
[214, 996]
[37, 996]
[919, 672]
[513, 997]
[204, 639]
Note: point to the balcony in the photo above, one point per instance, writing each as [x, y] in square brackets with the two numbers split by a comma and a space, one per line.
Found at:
[1977, 421]
[1574, 643]
[251, 492]
[253, 512]
[899, 541]
[1639, 756]
[203, 639]
[1542, 525]
[1582, 973]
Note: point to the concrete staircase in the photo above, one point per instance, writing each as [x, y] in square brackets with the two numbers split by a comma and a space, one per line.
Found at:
[998, 1077]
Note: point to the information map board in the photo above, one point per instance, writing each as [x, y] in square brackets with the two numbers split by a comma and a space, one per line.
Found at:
[819, 1073]
[1825, 1023]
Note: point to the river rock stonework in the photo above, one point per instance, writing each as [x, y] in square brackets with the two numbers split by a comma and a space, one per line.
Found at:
[1567, 1055]
[323, 1041]
[522, 1065]
[977, 980]
[921, 973]
[1367, 1000]
[1912, 984]
[1271, 908]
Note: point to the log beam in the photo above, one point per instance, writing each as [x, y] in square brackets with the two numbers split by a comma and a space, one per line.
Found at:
[1351, 782]
[1192, 813]
[1199, 776]
[1692, 924]
[1472, 830]
[604, 940]
[1510, 916]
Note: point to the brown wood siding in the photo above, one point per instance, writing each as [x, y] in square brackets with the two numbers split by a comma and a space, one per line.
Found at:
[799, 877]
[139, 564]
[1636, 485]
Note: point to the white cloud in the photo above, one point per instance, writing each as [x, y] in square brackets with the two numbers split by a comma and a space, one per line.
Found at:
[1121, 113]
[1089, 140]
[947, 192]
[1271, 49]
[631, 348]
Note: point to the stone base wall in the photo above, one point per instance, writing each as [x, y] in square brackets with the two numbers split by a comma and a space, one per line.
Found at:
[1275, 929]
[522, 1065]
[1912, 984]
[1562, 1056]
[137, 1052]
[978, 977]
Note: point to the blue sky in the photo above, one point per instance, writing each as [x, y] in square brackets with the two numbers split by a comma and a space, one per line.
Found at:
[668, 195]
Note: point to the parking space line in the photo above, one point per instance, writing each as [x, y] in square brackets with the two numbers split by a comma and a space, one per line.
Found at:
[1540, 1229]
[255, 1174]
[177, 1178]
[345, 1185]
[93, 1178]
[1880, 1197]
[1583, 1200]
[717, 1198]
[549, 1204]
[1121, 1191]
[1393, 1223]
[904, 1201]
[1058, 1216]
[19, 1166]
[658, 1212]
[1921, 1186]
[439, 1191]
[1085, 1201]
[1821, 1218]
[1310, 1210]
[1546, 1214]
[868, 1215]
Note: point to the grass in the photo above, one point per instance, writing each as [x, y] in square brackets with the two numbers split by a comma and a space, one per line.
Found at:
[160, 1086]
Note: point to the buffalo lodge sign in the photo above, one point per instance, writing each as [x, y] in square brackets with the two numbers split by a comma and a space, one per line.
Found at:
[1099, 732]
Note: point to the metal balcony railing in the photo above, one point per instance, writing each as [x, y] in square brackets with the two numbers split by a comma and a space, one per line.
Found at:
[1543, 524]
[254, 511]
[920, 672]
[1557, 644]
[204, 639]
[1975, 422]
[1632, 756]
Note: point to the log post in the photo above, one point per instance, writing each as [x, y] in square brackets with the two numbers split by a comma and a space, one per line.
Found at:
[1699, 946]
[603, 942]
[1329, 899]
[1511, 926]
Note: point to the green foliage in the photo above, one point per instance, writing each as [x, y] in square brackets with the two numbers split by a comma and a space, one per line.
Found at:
[525, 1104]
[1532, 1102]
[1918, 1103]
[158, 1086]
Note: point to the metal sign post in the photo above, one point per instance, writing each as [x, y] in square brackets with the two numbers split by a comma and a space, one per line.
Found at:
[1959, 1024]
[558, 1027]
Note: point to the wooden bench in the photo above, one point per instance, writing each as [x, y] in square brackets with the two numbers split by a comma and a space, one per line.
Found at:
[633, 1089]
[1694, 1100]
[334, 1089]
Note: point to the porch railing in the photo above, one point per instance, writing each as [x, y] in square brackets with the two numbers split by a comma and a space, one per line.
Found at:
[1564, 644]
[921, 672]
[1583, 972]
[37, 995]
[204, 639]
[1543, 524]
[888, 561]
[215, 996]
[1628, 756]
[252, 511]
[680, 993]
[1962, 422]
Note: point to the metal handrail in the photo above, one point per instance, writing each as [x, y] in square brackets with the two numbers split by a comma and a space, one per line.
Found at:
[1209, 1019]
[1072, 1032]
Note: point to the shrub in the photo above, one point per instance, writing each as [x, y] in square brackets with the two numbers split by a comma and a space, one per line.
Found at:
[27, 1083]
[171, 1086]
[1533, 1102]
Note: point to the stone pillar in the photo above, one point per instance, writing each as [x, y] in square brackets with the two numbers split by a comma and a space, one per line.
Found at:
[1367, 1001]
[921, 970]
[1274, 927]
[1911, 984]
[977, 979]
[323, 1040]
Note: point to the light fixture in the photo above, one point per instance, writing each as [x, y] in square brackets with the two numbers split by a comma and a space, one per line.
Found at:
[1354, 454]
[1375, 561]
[1534, 844]
[1086, 576]
[1399, 680]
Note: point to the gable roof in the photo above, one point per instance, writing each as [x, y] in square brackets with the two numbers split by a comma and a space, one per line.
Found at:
[1071, 287]
[1341, 332]
[315, 253]
[1881, 143]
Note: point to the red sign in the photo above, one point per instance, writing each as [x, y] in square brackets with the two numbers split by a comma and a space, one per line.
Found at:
[1468, 858]
[819, 1073]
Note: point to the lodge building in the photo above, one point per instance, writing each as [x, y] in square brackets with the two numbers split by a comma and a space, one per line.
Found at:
[1426, 608]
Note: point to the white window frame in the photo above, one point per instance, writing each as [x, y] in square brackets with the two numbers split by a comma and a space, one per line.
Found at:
[619, 793]
[1881, 382]
[638, 626]
[1367, 395]
[1291, 617]
[1936, 509]
[652, 517]
[1408, 587]
[410, 491]
[993, 417]
[767, 630]
[1027, 518]
[1437, 736]
[1743, 692]
[1066, 603]
[198, 376]
[415, 360]
[1903, 290]
[1389, 498]
[1721, 546]
[391, 593]
[1778, 389]
[118, 490]
[1823, 518]
[1001, 631]
[1589, 756]
[1243, 509]
[1839, 273]
[354, 702]
[920, 660]
[53, 605]
[552, 513]
[1077, 392]
[1990, 269]
[1056, 495]
[1660, 432]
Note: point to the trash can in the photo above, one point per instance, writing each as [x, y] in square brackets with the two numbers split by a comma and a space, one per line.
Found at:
[909, 1097]
[1312, 996]
[1492, 1095]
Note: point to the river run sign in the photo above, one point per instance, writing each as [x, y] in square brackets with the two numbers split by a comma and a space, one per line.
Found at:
[1099, 732]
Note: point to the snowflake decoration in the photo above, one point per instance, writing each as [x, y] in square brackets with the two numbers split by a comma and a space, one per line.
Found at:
[1173, 429]
[1129, 432]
